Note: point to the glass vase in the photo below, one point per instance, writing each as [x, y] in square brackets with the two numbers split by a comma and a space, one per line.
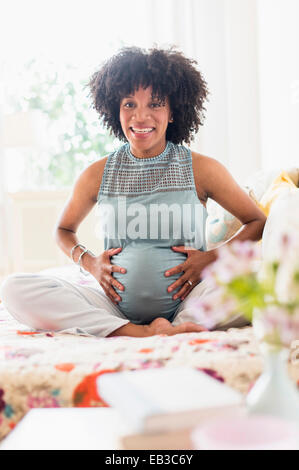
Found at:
[274, 393]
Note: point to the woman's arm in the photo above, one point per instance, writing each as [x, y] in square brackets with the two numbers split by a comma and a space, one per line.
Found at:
[213, 180]
[82, 200]
[78, 206]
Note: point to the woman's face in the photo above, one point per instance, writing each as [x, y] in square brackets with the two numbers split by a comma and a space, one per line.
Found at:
[144, 121]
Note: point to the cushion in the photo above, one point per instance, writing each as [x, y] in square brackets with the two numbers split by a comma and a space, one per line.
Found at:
[283, 217]
[260, 181]
[283, 183]
[263, 187]
[294, 175]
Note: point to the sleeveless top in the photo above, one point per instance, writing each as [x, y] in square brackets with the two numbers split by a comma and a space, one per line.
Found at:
[146, 206]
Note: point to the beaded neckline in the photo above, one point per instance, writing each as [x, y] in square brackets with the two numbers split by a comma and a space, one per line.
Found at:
[147, 159]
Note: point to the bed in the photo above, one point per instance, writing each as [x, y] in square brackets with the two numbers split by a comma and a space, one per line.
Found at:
[51, 370]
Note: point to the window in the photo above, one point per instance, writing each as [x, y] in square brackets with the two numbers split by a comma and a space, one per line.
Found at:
[52, 48]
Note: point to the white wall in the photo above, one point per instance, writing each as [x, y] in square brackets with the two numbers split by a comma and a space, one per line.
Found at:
[279, 81]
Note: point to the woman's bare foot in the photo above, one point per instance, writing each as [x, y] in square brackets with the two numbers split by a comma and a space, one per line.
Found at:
[159, 326]
[162, 326]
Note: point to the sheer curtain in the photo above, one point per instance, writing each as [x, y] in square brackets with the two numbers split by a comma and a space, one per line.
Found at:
[279, 82]
[222, 36]
[248, 51]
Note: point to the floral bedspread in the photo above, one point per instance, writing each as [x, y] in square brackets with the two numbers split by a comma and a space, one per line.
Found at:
[45, 370]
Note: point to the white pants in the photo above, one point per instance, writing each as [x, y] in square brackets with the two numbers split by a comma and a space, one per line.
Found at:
[46, 302]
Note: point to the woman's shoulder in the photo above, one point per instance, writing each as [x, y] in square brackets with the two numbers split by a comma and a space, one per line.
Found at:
[93, 173]
[204, 162]
[207, 165]
[207, 171]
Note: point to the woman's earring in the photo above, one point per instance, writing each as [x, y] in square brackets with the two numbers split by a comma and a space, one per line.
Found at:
[171, 119]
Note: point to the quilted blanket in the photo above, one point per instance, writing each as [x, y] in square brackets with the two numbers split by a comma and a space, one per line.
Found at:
[45, 370]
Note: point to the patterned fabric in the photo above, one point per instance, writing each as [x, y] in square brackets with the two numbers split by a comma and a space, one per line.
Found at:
[126, 175]
[46, 370]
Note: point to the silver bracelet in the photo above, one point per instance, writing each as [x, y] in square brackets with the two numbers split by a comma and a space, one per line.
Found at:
[73, 249]
[79, 261]
[85, 250]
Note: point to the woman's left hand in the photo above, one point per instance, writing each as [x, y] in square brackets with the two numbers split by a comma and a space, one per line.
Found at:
[191, 268]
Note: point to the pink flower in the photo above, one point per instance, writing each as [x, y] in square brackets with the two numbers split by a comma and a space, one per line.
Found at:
[287, 281]
[212, 308]
[279, 324]
[234, 260]
[288, 246]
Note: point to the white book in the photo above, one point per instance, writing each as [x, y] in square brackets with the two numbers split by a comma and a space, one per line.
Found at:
[158, 400]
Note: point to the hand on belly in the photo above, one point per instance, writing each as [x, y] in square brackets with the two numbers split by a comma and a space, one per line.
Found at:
[146, 293]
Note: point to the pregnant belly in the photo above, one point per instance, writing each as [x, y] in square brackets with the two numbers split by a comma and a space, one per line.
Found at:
[145, 296]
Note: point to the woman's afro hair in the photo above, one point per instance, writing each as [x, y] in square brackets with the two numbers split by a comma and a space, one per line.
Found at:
[170, 74]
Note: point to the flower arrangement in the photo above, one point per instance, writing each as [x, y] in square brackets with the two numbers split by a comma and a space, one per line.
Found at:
[269, 294]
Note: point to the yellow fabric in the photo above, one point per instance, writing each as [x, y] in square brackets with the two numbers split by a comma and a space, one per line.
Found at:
[281, 184]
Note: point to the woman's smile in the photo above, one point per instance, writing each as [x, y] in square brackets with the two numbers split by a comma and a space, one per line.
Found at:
[144, 120]
[141, 133]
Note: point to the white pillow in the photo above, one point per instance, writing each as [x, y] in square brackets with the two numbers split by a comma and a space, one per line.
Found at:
[283, 217]
[260, 181]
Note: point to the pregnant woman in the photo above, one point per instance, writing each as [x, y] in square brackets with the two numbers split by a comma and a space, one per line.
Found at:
[150, 195]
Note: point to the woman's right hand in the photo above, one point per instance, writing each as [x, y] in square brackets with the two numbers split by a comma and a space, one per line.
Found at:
[102, 270]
